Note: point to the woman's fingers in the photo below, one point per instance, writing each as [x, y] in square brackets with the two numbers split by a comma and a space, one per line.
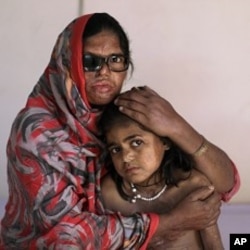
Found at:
[134, 103]
[148, 108]
[202, 193]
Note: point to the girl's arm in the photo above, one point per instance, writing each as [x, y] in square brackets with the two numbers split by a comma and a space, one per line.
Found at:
[211, 238]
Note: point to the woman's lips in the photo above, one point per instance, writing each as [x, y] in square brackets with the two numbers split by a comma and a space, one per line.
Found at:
[102, 88]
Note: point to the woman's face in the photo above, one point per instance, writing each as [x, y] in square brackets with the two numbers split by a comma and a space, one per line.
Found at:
[136, 153]
[104, 85]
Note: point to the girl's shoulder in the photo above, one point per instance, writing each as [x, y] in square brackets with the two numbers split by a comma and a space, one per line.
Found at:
[192, 177]
[189, 182]
[112, 199]
[107, 184]
[198, 178]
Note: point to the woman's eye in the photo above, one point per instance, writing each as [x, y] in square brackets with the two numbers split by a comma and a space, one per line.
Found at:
[136, 143]
[116, 59]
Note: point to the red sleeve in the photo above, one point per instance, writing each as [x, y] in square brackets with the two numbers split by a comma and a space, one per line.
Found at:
[227, 196]
[154, 222]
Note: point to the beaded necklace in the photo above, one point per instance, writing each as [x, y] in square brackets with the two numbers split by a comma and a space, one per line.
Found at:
[140, 197]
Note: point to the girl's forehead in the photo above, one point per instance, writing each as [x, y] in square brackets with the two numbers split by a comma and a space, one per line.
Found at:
[121, 131]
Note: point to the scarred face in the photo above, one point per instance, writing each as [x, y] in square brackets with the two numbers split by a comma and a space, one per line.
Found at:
[104, 85]
[136, 153]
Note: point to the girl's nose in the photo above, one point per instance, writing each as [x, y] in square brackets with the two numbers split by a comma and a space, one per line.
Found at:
[128, 156]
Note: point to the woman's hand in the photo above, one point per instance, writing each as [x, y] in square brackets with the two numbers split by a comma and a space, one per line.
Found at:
[197, 211]
[148, 108]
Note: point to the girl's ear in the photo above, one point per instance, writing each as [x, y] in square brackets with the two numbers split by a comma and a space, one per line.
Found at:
[166, 146]
[167, 143]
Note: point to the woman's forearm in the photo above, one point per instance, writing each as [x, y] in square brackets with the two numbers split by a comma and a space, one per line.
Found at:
[210, 160]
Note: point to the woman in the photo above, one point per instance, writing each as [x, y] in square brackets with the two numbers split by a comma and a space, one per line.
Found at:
[54, 168]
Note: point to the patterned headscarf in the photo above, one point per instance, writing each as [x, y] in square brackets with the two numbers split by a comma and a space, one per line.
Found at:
[54, 169]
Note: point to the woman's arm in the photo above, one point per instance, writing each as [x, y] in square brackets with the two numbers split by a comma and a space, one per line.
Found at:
[154, 112]
[54, 202]
[196, 211]
[212, 161]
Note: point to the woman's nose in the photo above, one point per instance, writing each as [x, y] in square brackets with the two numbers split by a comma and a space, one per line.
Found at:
[104, 69]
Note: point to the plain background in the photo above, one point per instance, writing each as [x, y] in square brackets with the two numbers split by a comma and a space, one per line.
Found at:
[195, 53]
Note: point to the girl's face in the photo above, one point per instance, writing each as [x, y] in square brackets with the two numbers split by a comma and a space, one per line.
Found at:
[104, 85]
[136, 153]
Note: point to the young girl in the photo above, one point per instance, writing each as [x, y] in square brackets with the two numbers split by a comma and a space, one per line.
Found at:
[148, 173]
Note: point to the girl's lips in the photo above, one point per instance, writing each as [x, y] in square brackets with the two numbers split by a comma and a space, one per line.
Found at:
[131, 169]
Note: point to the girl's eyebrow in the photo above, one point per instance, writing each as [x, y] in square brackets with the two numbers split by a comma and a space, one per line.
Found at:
[124, 140]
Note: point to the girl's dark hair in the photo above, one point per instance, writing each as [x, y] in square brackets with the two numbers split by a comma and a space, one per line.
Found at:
[103, 21]
[174, 158]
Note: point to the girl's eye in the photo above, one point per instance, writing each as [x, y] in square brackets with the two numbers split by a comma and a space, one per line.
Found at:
[136, 143]
[114, 150]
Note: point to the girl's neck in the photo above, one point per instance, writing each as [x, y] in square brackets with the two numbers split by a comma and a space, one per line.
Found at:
[153, 181]
[146, 194]
[148, 188]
